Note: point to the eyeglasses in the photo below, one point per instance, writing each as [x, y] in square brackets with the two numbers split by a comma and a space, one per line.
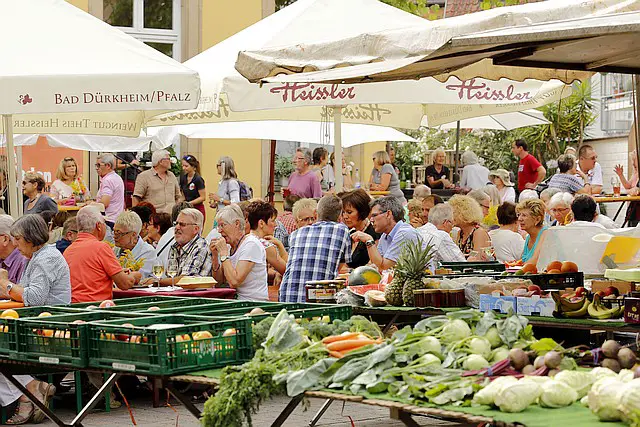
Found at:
[72, 231]
[379, 213]
[486, 206]
[119, 234]
[183, 224]
[559, 209]
[307, 219]
[97, 165]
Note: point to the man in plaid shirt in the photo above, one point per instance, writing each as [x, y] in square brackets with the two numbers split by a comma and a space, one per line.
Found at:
[190, 249]
[316, 251]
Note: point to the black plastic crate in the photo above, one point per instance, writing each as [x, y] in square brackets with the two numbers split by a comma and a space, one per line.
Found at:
[169, 344]
[474, 266]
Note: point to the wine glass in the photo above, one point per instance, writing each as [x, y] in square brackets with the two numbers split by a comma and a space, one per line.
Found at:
[172, 270]
[158, 270]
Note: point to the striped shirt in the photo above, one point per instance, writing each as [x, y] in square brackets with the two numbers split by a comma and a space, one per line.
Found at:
[46, 279]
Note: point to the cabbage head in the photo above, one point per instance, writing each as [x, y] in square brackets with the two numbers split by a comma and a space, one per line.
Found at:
[518, 396]
[625, 375]
[630, 404]
[431, 345]
[494, 337]
[428, 359]
[604, 398]
[487, 395]
[454, 331]
[536, 379]
[556, 394]
[600, 372]
[579, 381]
[474, 362]
[499, 354]
[481, 346]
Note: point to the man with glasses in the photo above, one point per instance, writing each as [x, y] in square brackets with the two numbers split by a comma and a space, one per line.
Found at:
[530, 171]
[436, 233]
[387, 217]
[303, 181]
[10, 257]
[126, 234]
[317, 251]
[111, 191]
[69, 234]
[190, 250]
[157, 185]
[305, 212]
[589, 169]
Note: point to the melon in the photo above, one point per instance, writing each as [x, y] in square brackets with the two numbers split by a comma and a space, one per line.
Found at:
[375, 298]
[364, 275]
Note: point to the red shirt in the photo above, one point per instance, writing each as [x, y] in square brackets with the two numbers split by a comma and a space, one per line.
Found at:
[527, 171]
[92, 264]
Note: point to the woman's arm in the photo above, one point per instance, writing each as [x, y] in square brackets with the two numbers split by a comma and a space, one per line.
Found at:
[236, 276]
[385, 179]
[481, 240]
[202, 197]
[274, 260]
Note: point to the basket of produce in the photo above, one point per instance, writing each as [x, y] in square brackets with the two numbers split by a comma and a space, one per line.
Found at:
[60, 339]
[152, 305]
[135, 300]
[241, 308]
[557, 275]
[169, 344]
[308, 311]
[8, 330]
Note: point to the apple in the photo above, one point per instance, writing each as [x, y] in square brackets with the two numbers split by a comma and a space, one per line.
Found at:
[78, 322]
[91, 307]
[124, 337]
[47, 333]
[44, 314]
[154, 308]
[202, 335]
[107, 303]
[580, 291]
[611, 290]
[229, 332]
[534, 288]
[10, 313]
[134, 339]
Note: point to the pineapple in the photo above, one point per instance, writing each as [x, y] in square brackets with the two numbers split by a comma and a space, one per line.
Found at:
[393, 291]
[412, 263]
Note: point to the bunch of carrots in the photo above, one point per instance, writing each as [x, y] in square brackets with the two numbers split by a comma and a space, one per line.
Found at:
[340, 345]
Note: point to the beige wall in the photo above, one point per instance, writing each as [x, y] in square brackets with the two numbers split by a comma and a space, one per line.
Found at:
[81, 4]
[361, 155]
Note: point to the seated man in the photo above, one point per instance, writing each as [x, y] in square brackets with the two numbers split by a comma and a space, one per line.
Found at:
[436, 233]
[387, 217]
[126, 233]
[304, 212]
[190, 250]
[92, 264]
[69, 234]
[316, 251]
[584, 210]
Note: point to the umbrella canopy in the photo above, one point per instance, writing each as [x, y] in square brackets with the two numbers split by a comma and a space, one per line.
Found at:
[504, 121]
[409, 53]
[69, 72]
[94, 142]
[301, 131]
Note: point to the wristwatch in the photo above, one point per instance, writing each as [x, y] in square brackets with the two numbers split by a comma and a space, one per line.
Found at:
[9, 287]
[223, 258]
[370, 243]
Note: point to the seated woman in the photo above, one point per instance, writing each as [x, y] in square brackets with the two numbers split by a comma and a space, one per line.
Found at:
[489, 218]
[438, 174]
[507, 243]
[355, 215]
[560, 208]
[45, 281]
[239, 258]
[262, 222]
[566, 180]
[384, 177]
[37, 202]
[159, 223]
[502, 181]
[531, 220]
[472, 239]
[414, 208]
[68, 184]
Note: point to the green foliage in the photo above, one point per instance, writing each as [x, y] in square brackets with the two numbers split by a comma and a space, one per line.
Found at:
[490, 4]
[283, 167]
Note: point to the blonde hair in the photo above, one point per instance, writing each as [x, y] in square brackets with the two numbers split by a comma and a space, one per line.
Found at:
[228, 168]
[381, 157]
[303, 204]
[535, 206]
[466, 209]
[61, 174]
[415, 206]
[438, 151]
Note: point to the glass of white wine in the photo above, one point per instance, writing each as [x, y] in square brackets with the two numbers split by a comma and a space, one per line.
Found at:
[172, 270]
[158, 270]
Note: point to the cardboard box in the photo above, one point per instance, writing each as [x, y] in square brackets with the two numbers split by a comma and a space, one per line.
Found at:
[623, 286]
[632, 310]
[536, 306]
[497, 302]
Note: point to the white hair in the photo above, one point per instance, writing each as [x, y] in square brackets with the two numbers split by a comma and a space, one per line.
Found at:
[469, 158]
[493, 193]
[548, 193]
[528, 194]
[560, 199]
[421, 191]
[440, 213]
[231, 214]
[6, 222]
[108, 159]
[156, 156]
[195, 215]
[438, 151]
[88, 217]
[130, 221]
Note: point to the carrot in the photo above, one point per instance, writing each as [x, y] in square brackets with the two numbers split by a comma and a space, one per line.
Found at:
[345, 336]
[336, 354]
[346, 345]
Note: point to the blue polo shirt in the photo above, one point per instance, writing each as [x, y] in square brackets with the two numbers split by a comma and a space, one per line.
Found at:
[390, 245]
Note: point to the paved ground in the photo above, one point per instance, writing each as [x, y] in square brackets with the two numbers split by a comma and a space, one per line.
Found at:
[337, 415]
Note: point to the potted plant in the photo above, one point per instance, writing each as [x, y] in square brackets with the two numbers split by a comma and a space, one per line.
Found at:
[283, 169]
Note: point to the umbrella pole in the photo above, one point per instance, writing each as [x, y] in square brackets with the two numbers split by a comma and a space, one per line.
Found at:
[272, 169]
[11, 166]
[337, 145]
[455, 159]
[20, 169]
[636, 111]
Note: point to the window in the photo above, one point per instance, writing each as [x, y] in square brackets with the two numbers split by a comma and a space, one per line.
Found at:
[616, 102]
[154, 22]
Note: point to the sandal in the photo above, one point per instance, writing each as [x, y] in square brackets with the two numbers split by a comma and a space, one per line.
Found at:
[23, 414]
[47, 391]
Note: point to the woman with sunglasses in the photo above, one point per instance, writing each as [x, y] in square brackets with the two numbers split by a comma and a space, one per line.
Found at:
[68, 184]
[37, 202]
[228, 187]
[192, 184]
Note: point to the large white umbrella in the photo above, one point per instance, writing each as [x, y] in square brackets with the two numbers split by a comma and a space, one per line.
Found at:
[227, 96]
[94, 143]
[381, 54]
[65, 71]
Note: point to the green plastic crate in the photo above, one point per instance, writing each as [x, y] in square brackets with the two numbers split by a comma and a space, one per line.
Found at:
[237, 307]
[157, 350]
[57, 340]
[298, 310]
[8, 330]
[177, 303]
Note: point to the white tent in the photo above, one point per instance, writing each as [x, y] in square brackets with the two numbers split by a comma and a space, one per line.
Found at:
[381, 54]
[95, 142]
[65, 71]
[504, 121]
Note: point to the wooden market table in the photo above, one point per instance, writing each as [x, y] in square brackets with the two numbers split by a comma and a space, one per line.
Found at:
[68, 208]
[617, 199]
[222, 293]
